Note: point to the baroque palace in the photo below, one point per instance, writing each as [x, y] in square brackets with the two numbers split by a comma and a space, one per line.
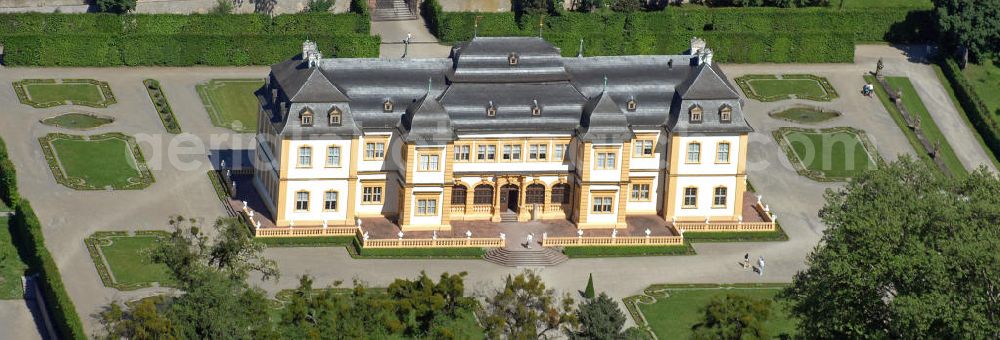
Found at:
[505, 129]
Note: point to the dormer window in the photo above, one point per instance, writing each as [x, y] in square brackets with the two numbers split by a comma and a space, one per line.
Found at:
[512, 59]
[306, 117]
[535, 109]
[491, 110]
[726, 113]
[631, 104]
[695, 113]
[387, 106]
[335, 116]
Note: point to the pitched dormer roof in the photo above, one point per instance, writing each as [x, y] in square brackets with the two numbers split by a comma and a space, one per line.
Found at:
[427, 122]
[317, 88]
[604, 121]
[707, 83]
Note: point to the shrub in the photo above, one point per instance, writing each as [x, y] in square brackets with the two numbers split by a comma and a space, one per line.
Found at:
[980, 116]
[8, 178]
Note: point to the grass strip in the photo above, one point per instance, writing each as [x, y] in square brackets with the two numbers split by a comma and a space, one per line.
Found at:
[742, 236]
[965, 115]
[627, 251]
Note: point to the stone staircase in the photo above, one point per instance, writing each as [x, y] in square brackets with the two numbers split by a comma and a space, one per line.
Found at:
[391, 10]
[508, 216]
[535, 257]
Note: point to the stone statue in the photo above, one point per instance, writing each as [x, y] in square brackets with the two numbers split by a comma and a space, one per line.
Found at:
[878, 68]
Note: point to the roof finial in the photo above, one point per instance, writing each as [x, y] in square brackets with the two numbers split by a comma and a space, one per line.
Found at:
[605, 89]
[579, 54]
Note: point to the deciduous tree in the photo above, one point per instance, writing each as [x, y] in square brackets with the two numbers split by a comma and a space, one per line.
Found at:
[974, 24]
[907, 253]
[525, 309]
[734, 317]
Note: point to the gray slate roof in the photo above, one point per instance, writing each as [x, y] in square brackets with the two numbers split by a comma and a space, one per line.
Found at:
[478, 73]
[604, 122]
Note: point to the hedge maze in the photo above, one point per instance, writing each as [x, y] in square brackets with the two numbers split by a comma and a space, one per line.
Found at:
[44, 93]
[769, 88]
[99, 162]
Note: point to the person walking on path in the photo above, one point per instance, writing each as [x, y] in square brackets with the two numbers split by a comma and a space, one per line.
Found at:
[760, 265]
[746, 261]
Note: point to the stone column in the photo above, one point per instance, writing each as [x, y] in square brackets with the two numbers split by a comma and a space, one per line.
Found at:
[522, 211]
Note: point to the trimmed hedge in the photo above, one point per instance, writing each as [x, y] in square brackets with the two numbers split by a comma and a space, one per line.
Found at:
[323, 241]
[738, 35]
[626, 251]
[35, 39]
[8, 178]
[27, 233]
[984, 122]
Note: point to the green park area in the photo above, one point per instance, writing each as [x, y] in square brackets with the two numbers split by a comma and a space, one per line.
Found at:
[77, 121]
[123, 261]
[43, 93]
[833, 154]
[11, 266]
[805, 114]
[110, 160]
[985, 79]
[671, 311]
[231, 103]
[769, 87]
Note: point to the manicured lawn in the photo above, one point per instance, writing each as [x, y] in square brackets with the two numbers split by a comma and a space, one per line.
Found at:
[930, 129]
[805, 114]
[11, 267]
[99, 163]
[769, 87]
[130, 262]
[829, 154]
[231, 103]
[62, 92]
[678, 309]
[965, 115]
[985, 81]
[78, 121]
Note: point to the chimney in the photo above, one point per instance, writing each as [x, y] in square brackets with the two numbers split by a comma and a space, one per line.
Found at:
[707, 56]
[697, 45]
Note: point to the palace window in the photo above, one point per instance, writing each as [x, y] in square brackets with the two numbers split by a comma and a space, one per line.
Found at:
[371, 194]
[719, 199]
[606, 160]
[603, 204]
[429, 162]
[511, 152]
[538, 152]
[335, 116]
[694, 152]
[458, 195]
[426, 207]
[306, 117]
[643, 148]
[482, 194]
[333, 156]
[387, 105]
[695, 113]
[559, 151]
[560, 194]
[461, 152]
[726, 113]
[640, 192]
[722, 153]
[305, 156]
[374, 150]
[535, 193]
[690, 197]
[486, 152]
[330, 199]
[301, 201]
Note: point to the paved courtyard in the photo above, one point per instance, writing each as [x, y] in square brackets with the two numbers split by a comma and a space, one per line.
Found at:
[182, 187]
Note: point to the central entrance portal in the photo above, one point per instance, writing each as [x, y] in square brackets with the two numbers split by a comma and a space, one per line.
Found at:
[508, 197]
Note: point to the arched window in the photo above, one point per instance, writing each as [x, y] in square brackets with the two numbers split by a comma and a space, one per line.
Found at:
[335, 116]
[535, 193]
[458, 194]
[306, 117]
[512, 59]
[387, 106]
[695, 113]
[560, 193]
[725, 113]
[631, 104]
[482, 194]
